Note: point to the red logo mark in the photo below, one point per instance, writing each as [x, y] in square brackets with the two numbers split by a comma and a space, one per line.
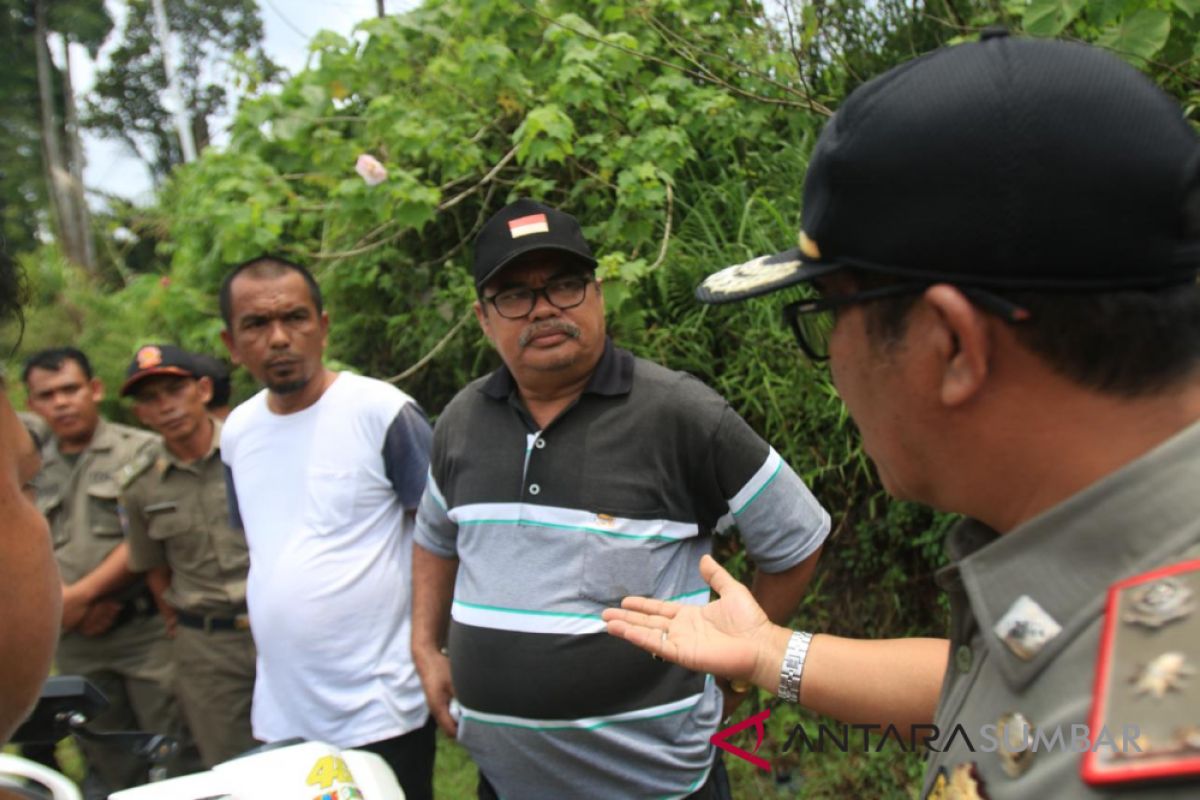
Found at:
[757, 721]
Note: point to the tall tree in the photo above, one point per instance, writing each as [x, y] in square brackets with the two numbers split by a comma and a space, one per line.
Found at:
[213, 39]
[86, 22]
[23, 195]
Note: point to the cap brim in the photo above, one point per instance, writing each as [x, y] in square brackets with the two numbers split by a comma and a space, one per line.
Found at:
[134, 379]
[534, 247]
[760, 276]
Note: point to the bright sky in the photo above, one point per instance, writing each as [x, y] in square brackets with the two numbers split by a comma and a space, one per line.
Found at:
[289, 24]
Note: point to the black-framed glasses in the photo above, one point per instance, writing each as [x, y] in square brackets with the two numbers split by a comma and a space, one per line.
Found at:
[812, 320]
[562, 293]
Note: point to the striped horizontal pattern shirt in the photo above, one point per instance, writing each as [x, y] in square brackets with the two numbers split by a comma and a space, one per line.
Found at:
[620, 495]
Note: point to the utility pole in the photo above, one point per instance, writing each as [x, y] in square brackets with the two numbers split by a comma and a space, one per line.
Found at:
[379, 7]
[182, 124]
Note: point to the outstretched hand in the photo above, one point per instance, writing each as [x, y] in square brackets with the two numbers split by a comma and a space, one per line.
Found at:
[730, 637]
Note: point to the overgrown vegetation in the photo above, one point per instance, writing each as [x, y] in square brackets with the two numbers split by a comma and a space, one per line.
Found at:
[676, 130]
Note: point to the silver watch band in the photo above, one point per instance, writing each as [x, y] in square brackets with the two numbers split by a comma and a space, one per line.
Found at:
[793, 666]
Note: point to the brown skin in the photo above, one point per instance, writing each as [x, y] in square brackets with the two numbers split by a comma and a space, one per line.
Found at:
[69, 403]
[276, 333]
[30, 589]
[551, 354]
[173, 406]
[551, 367]
[958, 415]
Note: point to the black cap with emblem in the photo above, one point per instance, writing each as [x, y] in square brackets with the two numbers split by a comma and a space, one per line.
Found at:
[525, 227]
[158, 359]
[1006, 162]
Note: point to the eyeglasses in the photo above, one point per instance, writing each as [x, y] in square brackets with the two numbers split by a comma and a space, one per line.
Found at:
[812, 320]
[562, 293]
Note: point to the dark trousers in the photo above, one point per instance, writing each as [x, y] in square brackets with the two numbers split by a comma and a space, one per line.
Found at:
[411, 757]
[715, 788]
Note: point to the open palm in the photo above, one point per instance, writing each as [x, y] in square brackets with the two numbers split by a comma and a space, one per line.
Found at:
[724, 637]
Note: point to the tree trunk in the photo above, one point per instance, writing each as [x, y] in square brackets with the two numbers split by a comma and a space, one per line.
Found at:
[58, 179]
[379, 7]
[83, 217]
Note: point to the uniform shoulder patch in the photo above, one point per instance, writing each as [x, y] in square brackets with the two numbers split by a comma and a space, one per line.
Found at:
[141, 462]
[1147, 688]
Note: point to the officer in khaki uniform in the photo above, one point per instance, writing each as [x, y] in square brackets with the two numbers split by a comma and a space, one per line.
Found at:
[177, 525]
[1004, 242]
[112, 633]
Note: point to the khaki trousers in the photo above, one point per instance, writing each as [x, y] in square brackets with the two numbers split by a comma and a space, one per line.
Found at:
[214, 681]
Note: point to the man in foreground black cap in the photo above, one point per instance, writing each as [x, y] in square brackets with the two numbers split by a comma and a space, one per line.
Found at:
[571, 476]
[1003, 238]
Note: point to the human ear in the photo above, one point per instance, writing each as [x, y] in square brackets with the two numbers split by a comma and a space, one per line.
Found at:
[962, 343]
[485, 322]
[227, 338]
[205, 387]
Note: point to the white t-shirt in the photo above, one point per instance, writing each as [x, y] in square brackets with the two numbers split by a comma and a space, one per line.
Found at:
[323, 494]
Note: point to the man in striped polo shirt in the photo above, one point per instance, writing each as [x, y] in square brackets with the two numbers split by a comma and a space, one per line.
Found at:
[572, 476]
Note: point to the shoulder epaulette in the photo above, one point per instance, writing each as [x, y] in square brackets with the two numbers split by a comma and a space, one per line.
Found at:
[1147, 685]
[141, 462]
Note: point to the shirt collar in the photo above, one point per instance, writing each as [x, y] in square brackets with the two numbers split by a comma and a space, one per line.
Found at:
[1066, 558]
[103, 439]
[612, 376]
[171, 460]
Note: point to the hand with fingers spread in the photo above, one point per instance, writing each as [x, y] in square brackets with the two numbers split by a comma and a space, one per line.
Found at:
[730, 637]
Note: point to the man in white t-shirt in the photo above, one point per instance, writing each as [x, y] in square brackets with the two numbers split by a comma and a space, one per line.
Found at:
[326, 471]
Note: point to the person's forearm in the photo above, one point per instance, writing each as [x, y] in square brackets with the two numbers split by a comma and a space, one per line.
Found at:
[111, 575]
[433, 591]
[779, 593]
[158, 579]
[862, 681]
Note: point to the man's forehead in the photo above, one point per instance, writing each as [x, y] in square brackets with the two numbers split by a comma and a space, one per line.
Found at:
[68, 373]
[256, 294]
[154, 383]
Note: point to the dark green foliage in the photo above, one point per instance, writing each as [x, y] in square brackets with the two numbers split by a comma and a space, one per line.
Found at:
[633, 115]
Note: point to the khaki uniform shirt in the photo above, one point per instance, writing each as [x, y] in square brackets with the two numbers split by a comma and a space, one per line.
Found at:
[80, 500]
[176, 514]
[1062, 563]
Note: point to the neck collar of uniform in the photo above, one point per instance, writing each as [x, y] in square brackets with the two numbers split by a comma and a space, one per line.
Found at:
[1068, 556]
[213, 447]
[103, 438]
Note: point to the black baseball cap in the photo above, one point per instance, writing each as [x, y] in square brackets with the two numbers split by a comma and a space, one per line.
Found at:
[1003, 163]
[525, 227]
[158, 359]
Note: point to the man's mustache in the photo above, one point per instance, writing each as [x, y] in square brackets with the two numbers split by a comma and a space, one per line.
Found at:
[548, 326]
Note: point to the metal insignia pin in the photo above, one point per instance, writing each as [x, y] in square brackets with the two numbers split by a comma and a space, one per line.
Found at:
[965, 783]
[1160, 602]
[1164, 673]
[1015, 734]
[1026, 628]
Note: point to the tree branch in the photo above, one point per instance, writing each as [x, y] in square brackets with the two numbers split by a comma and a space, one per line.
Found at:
[437, 348]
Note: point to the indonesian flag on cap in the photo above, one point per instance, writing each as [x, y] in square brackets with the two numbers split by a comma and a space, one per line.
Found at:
[523, 226]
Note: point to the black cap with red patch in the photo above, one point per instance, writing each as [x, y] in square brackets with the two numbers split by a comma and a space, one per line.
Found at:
[526, 227]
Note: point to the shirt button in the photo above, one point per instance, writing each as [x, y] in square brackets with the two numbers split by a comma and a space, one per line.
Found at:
[534, 488]
[963, 658]
[539, 444]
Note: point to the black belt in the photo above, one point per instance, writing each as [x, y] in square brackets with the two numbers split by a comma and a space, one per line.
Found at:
[213, 622]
